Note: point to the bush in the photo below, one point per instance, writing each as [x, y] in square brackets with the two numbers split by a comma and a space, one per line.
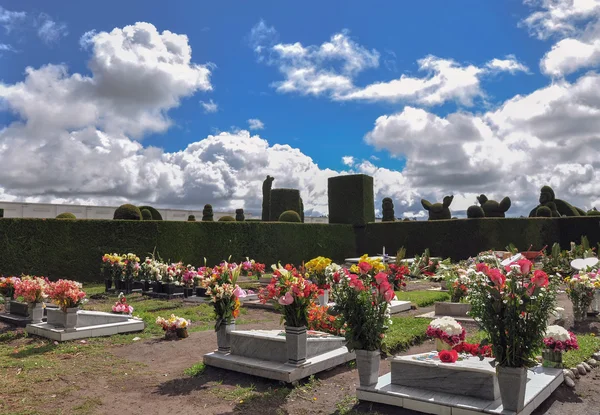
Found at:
[290, 216]
[438, 211]
[226, 219]
[492, 208]
[66, 215]
[191, 218]
[387, 209]
[351, 199]
[591, 212]
[155, 213]
[128, 212]
[475, 212]
[1, 213]
[543, 212]
[282, 200]
[207, 213]
[239, 215]
[146, 214]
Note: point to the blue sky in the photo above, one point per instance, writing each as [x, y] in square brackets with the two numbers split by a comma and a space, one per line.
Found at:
[322, 126]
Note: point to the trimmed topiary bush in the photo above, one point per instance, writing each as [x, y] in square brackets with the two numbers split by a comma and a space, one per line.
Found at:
[66, 215]
[207, 213]
[127, 212]
[191, 218]
[146, 214]
[438, 211]
[492, 208]
[543, 212]
[475, 212]
[282, 200]
[226, 219]
[155, 213]
[239, 215]
[562, 208]
[301, 210]
[351, 199]
[387, 208]
[591, 212]
[266, 205]
[290, 216]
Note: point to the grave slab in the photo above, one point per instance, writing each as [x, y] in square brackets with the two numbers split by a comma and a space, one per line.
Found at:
[431, 315]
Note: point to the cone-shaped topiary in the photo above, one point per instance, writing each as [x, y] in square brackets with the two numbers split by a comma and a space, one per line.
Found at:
[226, 219]
[387, 208]
[266, 191]
[562, 208]
[290, 216]
[207, 213]
[146, 214]
[593, 212]
[191, 218]
[438, 211]
[492, 208]
[66, 215]
[239, 215]
[543, 212]
[475, 212]
[155, 213]
[128, 212]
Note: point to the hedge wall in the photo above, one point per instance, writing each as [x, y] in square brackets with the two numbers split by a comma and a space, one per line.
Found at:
[459, 239]
[283, 200]
[73, 249]
[351, 199]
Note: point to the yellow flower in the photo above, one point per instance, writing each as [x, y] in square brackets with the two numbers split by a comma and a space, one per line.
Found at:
[354, 269]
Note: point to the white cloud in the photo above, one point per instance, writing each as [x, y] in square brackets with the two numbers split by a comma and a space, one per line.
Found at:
[559, 17]
[10, 19]
[209, 107]
[255, 124]
[348, 160]
[49, 30]
[510, 64]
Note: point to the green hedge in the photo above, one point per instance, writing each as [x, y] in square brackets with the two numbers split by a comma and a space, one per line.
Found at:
[283, 200]
[73, 249]
[351, 199]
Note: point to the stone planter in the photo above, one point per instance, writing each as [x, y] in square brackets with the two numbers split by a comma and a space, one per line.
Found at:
[7, 301]
[200, 292]
[452, 309]
[36, 312]
[188, 292]
[66, 319]
[324, 299]
[107, 284]
[146, 285]
[550, 358]
[295, 340]
[440, 345]
[367, 363]
[157, 287]
[223, 337]
[19, 309]
[511, 381]
[171, 289]
[138, 285]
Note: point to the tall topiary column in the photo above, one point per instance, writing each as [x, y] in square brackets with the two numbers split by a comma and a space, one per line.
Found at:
[266, 191]
[282, 200]
[239, 215]
[301, 210]
[351, 199]
[387, 209]
[207, 213]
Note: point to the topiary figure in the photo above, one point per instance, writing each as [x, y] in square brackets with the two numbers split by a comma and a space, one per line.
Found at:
[282, 200]
[406, 220]
[591, 212]
[301, 210]
[155, 213]
[1, 213]
[191, 218]
[127, 212]
[387, 209]
[562, 208]
[226, 219]
[438, 211]
[475, 212]
[239, 215]
[146, 214]
[290, 216]
[207, 214]
[66, 215]
[266, 191]
[543, 212]
[492, 208]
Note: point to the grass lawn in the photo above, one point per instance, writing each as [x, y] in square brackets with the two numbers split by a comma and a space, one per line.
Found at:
[403, 333]
[422, 298]
[588, 345]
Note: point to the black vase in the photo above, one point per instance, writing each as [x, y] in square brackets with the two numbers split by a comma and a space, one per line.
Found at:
[168, 288]
[200, 292]
[118, 285]
[146, 286]
[157, 287]
[188, 292]
[108, 284]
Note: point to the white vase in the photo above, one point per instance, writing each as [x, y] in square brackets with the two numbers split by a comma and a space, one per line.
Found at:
[7, 301]
[367, 363]
[36, 312]
[324, 299]
[63, 319]
[295, 340]
[223, 337]
[512, 381]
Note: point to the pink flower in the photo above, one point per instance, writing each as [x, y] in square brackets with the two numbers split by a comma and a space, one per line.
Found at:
[364, 267]
[524, 264]
[238, 292]
[287, 299]
[497, 277]
[381, 278]
[482, 267]
[540, 278]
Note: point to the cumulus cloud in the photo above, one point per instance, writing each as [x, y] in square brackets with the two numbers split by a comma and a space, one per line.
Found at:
[255, 124]
[348, 160]
[209, 107]
[509, 64]
[49, 30]
[10, 19]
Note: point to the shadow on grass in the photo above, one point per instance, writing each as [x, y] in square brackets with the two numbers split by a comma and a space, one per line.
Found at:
[33, 351]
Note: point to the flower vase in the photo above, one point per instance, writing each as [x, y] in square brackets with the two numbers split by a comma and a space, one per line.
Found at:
[580, 310]
[440, 345]
[108, 284]
[36, 312]
[63, 319]
[224, 338]
[324, 299]
[7, 301]
[171, 335]
[511, 381]
[551, 358]
[295, 340]
[182, 333]
[367, 363]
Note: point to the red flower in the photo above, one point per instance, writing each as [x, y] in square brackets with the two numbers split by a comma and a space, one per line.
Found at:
[497, 277]
[381, 278]
[540, 278]
[364, 267]
[448, 356]
[482, 267]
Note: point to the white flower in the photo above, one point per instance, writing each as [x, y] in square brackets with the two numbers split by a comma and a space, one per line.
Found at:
[448, 325]
[557, 333]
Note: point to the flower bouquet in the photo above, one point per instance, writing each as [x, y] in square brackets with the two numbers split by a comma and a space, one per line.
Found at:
[556, 341]
[121, 306]
[316, 270]
[7, 286]
[112, 268]
[447, 331]
[66, 294]
[580, 290]
[174, 327]
[319, 319]
[131, 267]
[251, 268]
[224, 293]
[32, 289]
[474, 349]
[459, 285]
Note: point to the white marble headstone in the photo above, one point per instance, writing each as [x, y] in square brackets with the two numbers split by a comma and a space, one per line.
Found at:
[511, 260]
[583, 263]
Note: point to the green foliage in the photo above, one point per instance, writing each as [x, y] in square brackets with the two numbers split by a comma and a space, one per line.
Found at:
[239, 215]
[387, 209]
[66, 215]
[155, 213]
[404, 333]
[207, 213]
[422, 298]
[438, 211]
[588, 345]
[226, 219]
[492, 208]
[559, 207]
[266, 204]
[1, 213]
[351, 199]
[543, 212]
[475, 212]
[591, 212]
[283, 200]
[127, 212]
[146, 214]
[290, 216]
[191, 218]
[301, 210]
